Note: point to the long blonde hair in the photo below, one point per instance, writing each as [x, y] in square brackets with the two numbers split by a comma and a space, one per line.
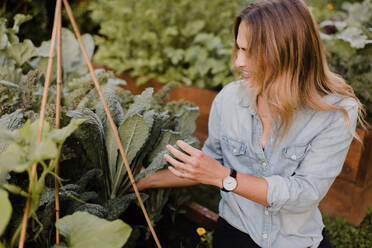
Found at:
[285, 43]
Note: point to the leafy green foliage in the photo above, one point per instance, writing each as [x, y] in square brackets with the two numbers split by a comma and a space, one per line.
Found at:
[22, 152]
[84, 230]
[145, 126]
[178, 40]
[73, 62]
[143, 122]
[348, 44]
[41, 16]
[342, 235]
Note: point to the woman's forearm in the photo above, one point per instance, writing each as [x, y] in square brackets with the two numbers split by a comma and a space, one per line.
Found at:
[163, 179]
[253, 188]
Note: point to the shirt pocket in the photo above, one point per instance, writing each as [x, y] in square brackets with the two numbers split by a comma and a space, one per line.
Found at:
[235, 155]
[293, 156]
[236, 147]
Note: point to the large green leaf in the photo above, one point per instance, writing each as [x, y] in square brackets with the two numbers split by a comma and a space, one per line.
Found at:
[6, 210]
[112, 149]
[186, 121]
[14, 159]
[22, 52]
[115, 207]
[46, 149]
[3, 177]
[83, 230]
[12, 121]
[3, 36]
[18, 20]
[10, 73]
[72, 58]
[168, 137]
[133, 133]
[157, 163]
[114, 106]
[23, 151]
[91, 134]
[60, 135]
[141, 103]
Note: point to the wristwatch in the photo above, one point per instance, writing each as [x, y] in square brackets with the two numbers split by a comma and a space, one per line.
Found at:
[229, 183]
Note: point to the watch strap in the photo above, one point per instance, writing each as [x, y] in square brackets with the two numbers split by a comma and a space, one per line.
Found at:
[233, 173]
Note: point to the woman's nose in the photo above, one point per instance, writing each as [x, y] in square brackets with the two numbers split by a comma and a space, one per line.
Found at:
[240, 60]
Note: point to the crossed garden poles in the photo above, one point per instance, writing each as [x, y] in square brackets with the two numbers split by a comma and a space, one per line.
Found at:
[56, 34]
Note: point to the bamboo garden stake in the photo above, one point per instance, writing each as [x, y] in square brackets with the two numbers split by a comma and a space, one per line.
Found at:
[41, 121]
[58, 106]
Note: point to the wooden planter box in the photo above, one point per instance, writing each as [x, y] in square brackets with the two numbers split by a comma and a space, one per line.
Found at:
[351, 193]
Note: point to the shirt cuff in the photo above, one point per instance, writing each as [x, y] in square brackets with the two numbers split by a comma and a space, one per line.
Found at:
[277, 192]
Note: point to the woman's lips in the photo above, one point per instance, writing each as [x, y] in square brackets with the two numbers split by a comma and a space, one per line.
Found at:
[246, 75]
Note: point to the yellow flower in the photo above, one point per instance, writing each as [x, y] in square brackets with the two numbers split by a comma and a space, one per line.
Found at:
[201, 231]
[330, 6]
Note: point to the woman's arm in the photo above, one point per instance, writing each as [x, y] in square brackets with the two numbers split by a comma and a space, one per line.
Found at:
[163, 179]
[200, 167]
[306, 188]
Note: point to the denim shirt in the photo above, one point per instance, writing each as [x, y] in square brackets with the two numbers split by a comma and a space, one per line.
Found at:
[299, 171]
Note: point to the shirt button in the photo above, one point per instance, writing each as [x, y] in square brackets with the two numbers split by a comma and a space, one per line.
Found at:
[293, 157]
[235, 150]
[264, 236]
[264, 164]
[266, 212]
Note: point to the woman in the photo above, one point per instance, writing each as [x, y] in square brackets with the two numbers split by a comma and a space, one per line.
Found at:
[277, 139]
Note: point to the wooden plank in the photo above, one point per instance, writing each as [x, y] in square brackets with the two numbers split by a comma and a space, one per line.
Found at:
[352, 162]
[201, 215]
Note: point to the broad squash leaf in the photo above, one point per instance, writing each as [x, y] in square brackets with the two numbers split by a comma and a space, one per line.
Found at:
[83, 230]
[14, 159]
[6, 210]
[60, 135]
[46, 149]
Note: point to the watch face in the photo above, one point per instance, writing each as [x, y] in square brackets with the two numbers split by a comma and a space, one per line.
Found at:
[229, 183]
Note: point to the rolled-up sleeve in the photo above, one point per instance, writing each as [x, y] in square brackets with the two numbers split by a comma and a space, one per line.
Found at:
[212, 145]
[316, 173]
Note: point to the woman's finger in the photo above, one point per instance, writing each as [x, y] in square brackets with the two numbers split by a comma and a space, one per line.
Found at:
[178, 154]
[177, 164]
[179, 173]
[187, 148]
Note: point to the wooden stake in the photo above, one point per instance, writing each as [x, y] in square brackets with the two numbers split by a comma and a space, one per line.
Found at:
[40, 127]
[58, 107]
[109, 117]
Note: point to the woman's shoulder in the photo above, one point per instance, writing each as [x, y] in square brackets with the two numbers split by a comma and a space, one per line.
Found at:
[346, 102]
[236, 90]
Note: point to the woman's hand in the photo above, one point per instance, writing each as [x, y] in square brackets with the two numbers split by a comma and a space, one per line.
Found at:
[195, 165]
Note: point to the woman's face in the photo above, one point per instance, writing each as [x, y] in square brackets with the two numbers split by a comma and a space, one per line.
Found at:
[242, 62]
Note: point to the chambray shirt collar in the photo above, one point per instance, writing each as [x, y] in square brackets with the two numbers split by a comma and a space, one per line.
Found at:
[244, 100]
